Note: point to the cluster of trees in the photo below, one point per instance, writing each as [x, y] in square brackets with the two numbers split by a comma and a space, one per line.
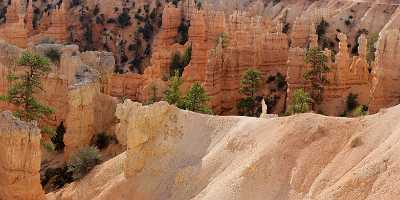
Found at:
[195, 100]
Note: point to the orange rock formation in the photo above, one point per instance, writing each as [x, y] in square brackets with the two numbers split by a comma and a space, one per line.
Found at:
[20, 159]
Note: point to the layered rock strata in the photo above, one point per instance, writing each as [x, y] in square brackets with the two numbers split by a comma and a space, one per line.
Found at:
[20, 159]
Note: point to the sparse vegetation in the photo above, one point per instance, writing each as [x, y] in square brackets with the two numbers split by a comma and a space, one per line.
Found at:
[300, 103]
[183, 32]
[361, 110]
[223, 40]
[102, 140]
[172, 94]
[54, 55]
[58, 138]
[178, 62]
[124, 19]
[25, 85]
[317, 74]
[196, 99]
[55, 178]
[351, 102]
[83, 161]
[372, 39]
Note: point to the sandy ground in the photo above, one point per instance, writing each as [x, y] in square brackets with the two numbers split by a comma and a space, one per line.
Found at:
[302, 157]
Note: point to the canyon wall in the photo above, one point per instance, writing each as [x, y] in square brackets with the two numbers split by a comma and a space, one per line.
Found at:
[225, 42]
[73, 89]
[20, 159]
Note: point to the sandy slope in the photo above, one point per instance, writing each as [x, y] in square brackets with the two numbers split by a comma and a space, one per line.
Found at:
[227, 158]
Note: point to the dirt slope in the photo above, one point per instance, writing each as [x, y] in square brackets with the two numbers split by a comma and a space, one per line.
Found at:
[302, 157]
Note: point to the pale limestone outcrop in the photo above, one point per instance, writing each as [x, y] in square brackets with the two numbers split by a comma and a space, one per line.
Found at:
[139, 125]
[180, 155]
[20, 159]
[89, 112]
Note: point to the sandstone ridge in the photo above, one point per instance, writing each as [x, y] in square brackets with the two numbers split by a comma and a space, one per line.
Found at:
[180, 155]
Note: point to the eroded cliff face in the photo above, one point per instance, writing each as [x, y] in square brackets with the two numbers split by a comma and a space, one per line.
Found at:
[180, 155]
[227, 38]
[20, 159]
[74, 89]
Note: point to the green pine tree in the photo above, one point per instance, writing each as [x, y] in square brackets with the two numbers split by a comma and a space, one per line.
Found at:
[196, 99]
[250, 84]
[317, 74]
[173, 95]
[300, 103]
[25, 84]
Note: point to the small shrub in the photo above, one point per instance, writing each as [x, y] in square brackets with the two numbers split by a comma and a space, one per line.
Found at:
[356, 142]
[48, 146]
[172, 94]
[183, 32]
[321, 28]
[372, 39]
[58, 138]
[361, 110]
[83, 161]
[280, 81]
[124, 19]
[223, 40]
[301, 102]
[351, 102]
[187, 56]
[248, 107]
[54, 55]
[176, 64]
[102, 140]
[55, 178]
[286, 28]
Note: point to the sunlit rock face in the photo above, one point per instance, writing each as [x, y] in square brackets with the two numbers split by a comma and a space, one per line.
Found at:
[20, 158]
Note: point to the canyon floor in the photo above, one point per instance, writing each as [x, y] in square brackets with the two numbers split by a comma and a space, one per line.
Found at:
[194, 156]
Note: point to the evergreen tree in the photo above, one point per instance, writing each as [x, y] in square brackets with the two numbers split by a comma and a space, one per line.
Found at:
[317, 74]
[173, 94]
[196, 99]
[250, 84]
[25, 84]
[301, 102]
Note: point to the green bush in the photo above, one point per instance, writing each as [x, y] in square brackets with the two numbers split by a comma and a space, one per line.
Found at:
[351, 102]
[187, 56]
[176, 64]
[102, 140]
[124, 19]
[249, 86]
[83, 161]
[248, 106]
[301, 102]
[280, 81]
[55, 178]
[172, 94]
[361, 110]
[183, 32]
[196, 99]
[372, 39]
[54, 55]
[58, 138]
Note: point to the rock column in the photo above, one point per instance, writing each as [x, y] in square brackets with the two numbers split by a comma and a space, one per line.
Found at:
[20, 158]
